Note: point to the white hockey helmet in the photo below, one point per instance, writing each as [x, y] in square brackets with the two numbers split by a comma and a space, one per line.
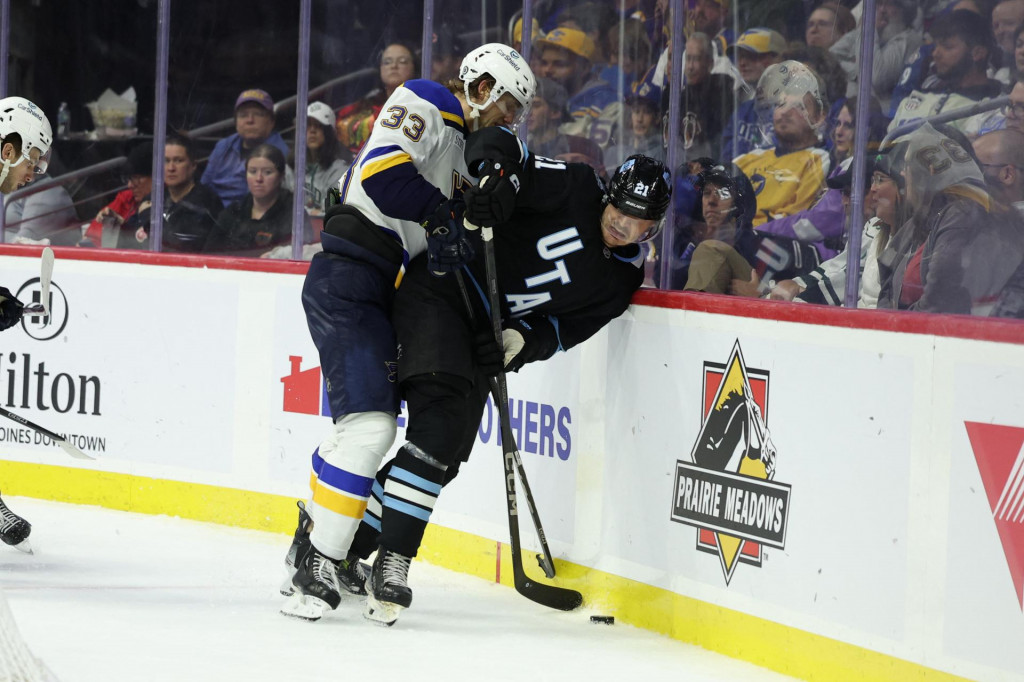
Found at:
[509, 70]
[18, 115]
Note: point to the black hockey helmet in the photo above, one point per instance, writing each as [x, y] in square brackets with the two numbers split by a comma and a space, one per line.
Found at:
[736, 184]
[641, 187]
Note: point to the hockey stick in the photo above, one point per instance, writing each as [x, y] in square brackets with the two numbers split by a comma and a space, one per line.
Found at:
[560, 598]
[59, 440]
[547, 564]
[45, 275]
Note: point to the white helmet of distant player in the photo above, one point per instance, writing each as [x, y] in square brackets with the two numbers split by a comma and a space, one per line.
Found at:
[18, 115]
[510, 72]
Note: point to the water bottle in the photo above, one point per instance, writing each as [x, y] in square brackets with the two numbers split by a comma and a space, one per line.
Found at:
[63, 120]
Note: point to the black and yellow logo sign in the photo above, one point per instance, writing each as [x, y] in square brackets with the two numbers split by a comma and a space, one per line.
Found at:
[727, 489]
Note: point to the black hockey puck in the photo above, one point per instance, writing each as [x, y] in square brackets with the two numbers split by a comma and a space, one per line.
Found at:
[604, 620]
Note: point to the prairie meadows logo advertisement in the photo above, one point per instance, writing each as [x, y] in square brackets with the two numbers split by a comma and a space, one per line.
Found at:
[999, 452]
[727, 489]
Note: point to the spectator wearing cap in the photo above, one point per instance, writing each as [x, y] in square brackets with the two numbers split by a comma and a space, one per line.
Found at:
[397, 64]
[962, 47]
[566, 57]
[254, 125]
[755, 50]
[103, 229]
[517, 42]
[326, 159]
[644, 134]
[896, 41]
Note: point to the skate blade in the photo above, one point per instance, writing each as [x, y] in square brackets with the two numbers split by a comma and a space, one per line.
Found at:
[24, 546]
[305, 607]
[382, 613]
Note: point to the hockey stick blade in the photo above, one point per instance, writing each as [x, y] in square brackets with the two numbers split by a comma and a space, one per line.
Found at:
[59, 440]
[45, 275]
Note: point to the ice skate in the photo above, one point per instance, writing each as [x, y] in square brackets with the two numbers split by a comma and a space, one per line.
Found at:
[316, 587]
[388, 587]
[14, 530]
[350, 571]
[297, 552]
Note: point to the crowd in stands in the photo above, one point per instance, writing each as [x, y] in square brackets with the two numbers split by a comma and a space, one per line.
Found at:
[768, 107]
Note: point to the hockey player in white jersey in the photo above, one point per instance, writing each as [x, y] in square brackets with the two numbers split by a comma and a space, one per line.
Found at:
[402, 196]
[25, 138]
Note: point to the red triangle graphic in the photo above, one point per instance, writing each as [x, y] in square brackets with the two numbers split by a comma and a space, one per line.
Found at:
[997, 450]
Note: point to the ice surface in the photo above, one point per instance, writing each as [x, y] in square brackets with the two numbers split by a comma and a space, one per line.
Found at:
[113, 596]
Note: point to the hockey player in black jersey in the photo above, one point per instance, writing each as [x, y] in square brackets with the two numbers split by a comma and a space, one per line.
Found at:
[568, 261]
[25, 138]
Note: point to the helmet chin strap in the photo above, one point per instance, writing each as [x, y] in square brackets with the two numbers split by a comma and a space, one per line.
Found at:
[5, 170]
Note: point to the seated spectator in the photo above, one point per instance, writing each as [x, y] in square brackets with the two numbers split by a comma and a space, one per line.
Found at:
[707, 100]
[644, 134]
[883, 215]
[546, 114]
[517, 42]
[846, 124]
[254, 125]
[565, 57]
[830, 74]
[1017, 64]
[829, 22]
[960, 246]
[789, 177]
[46, 217]
[1001, 159]
[1007, 19]
[755, 51]
[106, 226]
[963, 45]
[446, 55]
[628, 53]
[896, 41]
[714, 18]
[354, 121]
[723, 246]
[260, 224]
[190, 208]
[326, 159]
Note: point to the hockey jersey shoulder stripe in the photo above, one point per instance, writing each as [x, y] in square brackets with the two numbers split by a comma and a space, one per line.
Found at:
[384, 163]
[440, 97]
[377, 152]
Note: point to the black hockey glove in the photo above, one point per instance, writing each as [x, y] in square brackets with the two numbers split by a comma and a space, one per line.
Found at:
[10, 309]
[448, 246]
[492, 201]
[488, 353]
[528, 339]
